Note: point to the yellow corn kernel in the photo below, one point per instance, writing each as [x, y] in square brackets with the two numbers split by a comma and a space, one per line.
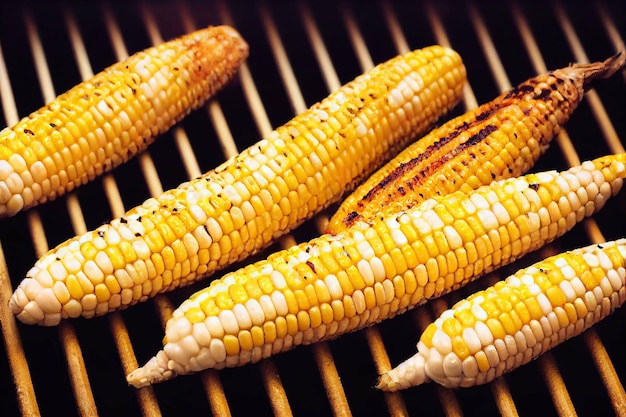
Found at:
[88, 250]
[315, 317]
[427, 335]
[570, 310]
[507, 323]
[355, 279]
[451, 327]
[258, 338]
[210, 308]
[223, 301]
[533, 308]
[330, 263]
[180, 251]
[112, 284]
[496, 327]
[588, 280]
[465, 317]
[349, 307]
[281, 327]
[311, 295]
[302, 301]
[269, 332]
[245, 340]
[561, 316]
[482, 361]
[195, 315]
[129, 253]
[116, 256]
[327, 313]
[459, 347]
[522, 312]
[292, 324]
[74, 288]
[231, 344]
[556, 296]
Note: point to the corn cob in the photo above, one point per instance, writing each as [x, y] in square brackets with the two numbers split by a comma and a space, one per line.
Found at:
[500, 139]
[495, 331]
[237, 209]
[339, 283]
[101, 123]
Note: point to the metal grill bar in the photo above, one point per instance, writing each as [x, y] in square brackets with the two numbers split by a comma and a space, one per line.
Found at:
[281, 400]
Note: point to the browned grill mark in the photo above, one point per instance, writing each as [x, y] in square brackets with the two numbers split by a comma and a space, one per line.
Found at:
[431, 151]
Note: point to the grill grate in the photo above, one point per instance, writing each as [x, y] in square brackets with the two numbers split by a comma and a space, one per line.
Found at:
[299, 53]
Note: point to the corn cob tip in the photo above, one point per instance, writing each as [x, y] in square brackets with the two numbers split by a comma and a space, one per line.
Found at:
[599, 70]
[33, 304]
[240, 43]
[154, 371]
[410, 373]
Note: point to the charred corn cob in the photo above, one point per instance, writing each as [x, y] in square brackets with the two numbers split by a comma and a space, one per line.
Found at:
[500, 139]
[495, 331]
[101, 123]
[237, 209]
[338, 283]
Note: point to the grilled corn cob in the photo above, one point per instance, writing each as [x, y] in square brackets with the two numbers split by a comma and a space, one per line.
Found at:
[495, 331]
[103, 122]
[237, 209]
[338, 283]
[500, 139]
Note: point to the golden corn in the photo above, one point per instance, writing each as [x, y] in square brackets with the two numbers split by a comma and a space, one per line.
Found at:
[101, 123]
[376, 270]
[237, 209]
[500, 139]
[517, 319]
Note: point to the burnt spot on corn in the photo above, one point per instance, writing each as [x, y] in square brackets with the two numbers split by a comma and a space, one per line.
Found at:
[29, 132]
[543, 95]
[352, 217]
[484, 115]
[520, 91]
[428, 158]
[534, 186]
